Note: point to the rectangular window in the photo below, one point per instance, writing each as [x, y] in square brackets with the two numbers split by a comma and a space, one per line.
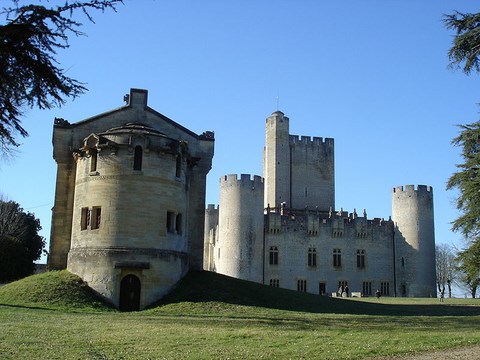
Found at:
[302, 285]
[360, 259]
[385, 288]
[312, 257]
[337, 258]
[85, 218]
[93, 160]
[96, 215]
[367, 288]
[273, 255]
[275, 282]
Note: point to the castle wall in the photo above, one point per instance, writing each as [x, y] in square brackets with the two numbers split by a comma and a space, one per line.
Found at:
[412, 212]
[312, 173]
[238, 251]
[299, 233]
[211, 225]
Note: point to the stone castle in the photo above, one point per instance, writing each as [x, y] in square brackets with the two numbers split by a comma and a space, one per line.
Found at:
[129, 214]
[283, 230]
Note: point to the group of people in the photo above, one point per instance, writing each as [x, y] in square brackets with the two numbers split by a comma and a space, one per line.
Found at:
[343, 291]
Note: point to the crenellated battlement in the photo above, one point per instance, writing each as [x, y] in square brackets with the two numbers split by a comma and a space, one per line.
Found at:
[409, 189]
[308, 140]
[211, 207]
[244, 180]
[339, 224]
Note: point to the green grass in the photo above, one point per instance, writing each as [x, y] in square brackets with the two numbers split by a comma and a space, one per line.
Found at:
[209, 316]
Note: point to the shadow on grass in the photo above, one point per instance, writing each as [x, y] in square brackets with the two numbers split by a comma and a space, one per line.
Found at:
[203, 287]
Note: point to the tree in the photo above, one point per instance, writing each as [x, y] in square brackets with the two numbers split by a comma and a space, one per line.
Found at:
[467, 181]
[20, 244]
[29, 74]
[446, 268]
[469, 265]
[465, 54]
[466, 44]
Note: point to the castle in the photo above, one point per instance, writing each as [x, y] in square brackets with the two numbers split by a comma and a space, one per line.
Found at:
[283, 230]
[129, 214]
[129, 203]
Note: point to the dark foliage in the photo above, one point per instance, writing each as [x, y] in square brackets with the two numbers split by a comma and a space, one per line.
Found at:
[469, 260]
[20, 244]
[466, 44]
[29, 73]
[467, 181]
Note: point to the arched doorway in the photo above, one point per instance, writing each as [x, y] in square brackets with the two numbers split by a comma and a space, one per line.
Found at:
[130, 293]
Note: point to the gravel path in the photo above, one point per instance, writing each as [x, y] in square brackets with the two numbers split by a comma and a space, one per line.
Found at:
[468, 353]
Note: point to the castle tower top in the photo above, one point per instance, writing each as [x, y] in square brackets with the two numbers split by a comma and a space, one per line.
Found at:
[278, 115]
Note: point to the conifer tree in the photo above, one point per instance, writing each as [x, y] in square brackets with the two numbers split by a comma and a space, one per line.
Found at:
[30, 76]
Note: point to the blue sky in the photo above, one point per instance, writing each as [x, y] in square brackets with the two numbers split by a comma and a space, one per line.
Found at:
[372, 74]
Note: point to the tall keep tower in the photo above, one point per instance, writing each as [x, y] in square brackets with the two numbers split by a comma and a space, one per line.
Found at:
[298, 171]
[276, 160]
[412, 212]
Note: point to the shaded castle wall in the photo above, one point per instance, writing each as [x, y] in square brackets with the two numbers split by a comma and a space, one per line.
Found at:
[211, 227]
[312, 173]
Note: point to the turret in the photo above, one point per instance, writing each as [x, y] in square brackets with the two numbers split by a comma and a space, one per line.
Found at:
[239, 249]
[412, 212]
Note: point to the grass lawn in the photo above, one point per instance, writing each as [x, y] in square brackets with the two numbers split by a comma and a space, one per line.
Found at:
[209, 316]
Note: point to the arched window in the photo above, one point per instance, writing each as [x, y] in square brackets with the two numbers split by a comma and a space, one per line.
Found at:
[137, 158]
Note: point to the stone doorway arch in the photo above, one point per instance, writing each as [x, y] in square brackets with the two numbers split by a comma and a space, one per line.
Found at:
[130, 288]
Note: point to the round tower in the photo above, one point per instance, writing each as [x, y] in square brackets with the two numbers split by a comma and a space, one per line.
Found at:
[412, 212]
[129, 233]
[239, 250]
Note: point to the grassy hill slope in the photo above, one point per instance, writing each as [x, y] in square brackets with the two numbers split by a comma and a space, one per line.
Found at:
[205, 292]
[52, 290]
